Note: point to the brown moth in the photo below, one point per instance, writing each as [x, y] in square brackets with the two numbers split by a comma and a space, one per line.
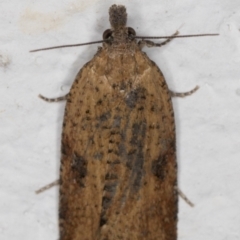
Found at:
[118, 175]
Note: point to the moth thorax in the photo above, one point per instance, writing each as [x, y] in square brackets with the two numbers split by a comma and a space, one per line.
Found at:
[120, 35]
[117, 16]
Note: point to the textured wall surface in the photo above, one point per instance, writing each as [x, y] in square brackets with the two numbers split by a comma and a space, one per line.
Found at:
[207, 122]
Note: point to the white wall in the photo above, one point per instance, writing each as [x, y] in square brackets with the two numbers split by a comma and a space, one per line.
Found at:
[208, 125]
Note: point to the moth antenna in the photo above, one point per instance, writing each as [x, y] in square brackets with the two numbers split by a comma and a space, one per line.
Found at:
[142, 37]
[65, 46]
[179, 36]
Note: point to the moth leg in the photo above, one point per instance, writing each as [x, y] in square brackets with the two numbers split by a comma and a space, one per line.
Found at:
[148, 43]
[184, 197]
[184, 94]
[53, 99]
[42, 189]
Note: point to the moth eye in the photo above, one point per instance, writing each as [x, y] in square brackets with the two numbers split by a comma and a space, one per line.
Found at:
[107, 34]
[131, 32]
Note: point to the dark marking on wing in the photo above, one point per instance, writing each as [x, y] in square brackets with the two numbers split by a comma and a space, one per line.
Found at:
[135, 161]
[134, 96]
[109, 192]
[105, 116]
[79, 168]
[98, 155]
[111, 176]
[158, 167]
[117, 122]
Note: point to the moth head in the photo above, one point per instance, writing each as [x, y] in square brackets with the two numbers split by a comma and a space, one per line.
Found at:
[118, 20]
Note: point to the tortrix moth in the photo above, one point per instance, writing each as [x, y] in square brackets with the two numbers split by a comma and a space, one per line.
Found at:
[118, 175]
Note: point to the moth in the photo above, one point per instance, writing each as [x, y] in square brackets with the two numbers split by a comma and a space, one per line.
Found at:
[118, 174]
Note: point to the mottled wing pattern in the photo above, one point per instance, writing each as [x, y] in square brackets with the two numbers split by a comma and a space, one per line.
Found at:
[118, 167]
